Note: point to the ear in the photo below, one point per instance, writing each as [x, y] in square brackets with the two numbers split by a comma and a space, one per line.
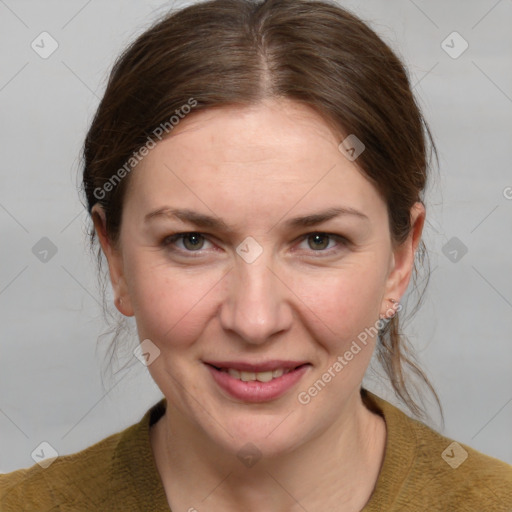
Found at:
[402, 261]
[115, 262]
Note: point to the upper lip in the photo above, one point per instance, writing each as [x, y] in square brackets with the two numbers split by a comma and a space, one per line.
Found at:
[263, 366]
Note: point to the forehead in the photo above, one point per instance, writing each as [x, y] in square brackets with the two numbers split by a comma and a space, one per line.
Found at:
[252, 135]
[276, 152]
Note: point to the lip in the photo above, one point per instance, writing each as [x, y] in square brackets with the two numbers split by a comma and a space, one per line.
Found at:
[264, 366]
[255, 391]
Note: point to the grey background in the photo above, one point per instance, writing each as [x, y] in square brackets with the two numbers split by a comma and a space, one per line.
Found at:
[50, 383]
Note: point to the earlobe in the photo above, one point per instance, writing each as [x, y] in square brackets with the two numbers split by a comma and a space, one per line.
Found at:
[115, 262]
[392, 307]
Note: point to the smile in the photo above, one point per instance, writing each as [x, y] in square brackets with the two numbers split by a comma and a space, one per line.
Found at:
[257, 386]
[259, 376]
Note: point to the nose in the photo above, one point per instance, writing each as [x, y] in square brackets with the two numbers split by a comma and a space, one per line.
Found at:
[257, 304]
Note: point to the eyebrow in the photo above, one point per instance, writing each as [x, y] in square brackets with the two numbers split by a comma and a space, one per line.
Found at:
[207, 221]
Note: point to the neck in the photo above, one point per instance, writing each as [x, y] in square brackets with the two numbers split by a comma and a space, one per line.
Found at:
[336, 469]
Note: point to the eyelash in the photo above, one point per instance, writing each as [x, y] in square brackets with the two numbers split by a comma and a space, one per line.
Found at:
[169, 240]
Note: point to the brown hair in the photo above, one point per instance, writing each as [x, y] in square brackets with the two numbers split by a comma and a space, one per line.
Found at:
[229, 52]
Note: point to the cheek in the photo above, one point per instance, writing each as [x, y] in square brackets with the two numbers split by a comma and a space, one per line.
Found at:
[344, 301]
[174, 306]
[170, 303]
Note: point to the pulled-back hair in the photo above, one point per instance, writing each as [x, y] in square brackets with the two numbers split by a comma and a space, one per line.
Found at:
[239, 52]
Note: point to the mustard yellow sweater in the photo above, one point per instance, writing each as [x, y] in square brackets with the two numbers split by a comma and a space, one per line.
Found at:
[422, 471]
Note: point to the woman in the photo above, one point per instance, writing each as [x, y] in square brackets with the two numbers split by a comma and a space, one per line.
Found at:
[254, 174]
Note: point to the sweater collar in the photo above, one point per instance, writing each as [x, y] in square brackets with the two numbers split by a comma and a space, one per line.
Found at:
[135, 468]
[399, 455]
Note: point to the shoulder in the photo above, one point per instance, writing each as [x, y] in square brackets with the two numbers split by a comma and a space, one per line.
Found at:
[460, 473]
[75, 478]
[425, 470]
[116, 473]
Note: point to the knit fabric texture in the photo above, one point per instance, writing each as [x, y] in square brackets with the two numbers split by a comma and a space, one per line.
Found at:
[422, 471]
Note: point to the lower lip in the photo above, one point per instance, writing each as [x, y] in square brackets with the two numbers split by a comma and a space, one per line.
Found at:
[256, 391]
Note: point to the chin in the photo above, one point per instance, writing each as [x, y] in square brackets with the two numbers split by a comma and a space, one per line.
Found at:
[262, 437]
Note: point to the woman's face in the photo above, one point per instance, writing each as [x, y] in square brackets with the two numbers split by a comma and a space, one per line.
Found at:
[253, 283]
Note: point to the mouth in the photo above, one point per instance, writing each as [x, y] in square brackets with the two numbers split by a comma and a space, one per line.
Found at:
[257, 382]
[260, 376]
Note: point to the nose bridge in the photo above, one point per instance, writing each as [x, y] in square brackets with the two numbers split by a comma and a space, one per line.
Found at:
[255, 307]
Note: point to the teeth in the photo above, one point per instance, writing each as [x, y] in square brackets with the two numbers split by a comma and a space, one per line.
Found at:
[264, 376]
[233, 373]
[259, 376]
[247, 376]
[278, 372]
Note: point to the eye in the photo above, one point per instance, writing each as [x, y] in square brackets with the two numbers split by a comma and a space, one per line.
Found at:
[319, 242]
[192, 241]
